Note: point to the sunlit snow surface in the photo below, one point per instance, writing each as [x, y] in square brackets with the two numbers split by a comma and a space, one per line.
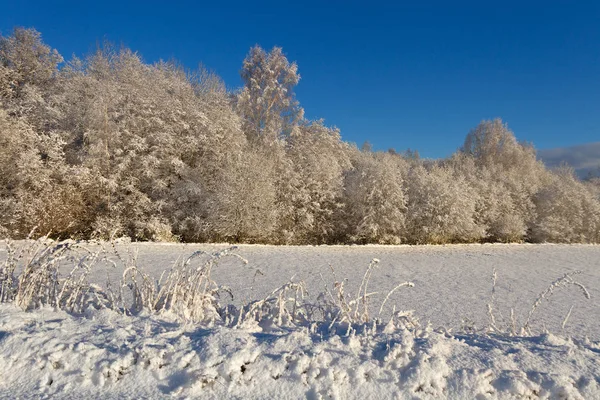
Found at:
[103, 354]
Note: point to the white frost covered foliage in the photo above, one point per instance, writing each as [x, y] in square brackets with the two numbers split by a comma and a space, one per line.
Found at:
[311, 187]
[376, 202]
[148, 132]
[267, 102]
[244, 208]
[26, 63]
[505, 175]
[38, 190]
[441, 207]
[108, 145]
[567, 211]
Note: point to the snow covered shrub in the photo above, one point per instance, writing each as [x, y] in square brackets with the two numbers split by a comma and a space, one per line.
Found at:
[491, 143]
[339, 307]
[106, 227]
[28, 68]
[110, 145]
[37, 187]
[33, 277]
[495, 208]
[374, 198]
[567, 211]
[202, 186]
[335, 311]
[26, 54]
[441, 207]
[147, 133]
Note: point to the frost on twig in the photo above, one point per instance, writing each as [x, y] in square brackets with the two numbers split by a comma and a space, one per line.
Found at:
[564, 281]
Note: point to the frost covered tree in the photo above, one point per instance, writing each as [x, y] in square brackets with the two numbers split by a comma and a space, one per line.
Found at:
[109, 144]
[496, 209]
[37, 189]
[567, 211]
[28, 71]
[25, 61]
[593, 184]
[243, 206]
[375, 198]
[267, 102]
[112, 123]
[441, 207]
[505, 175]
[311, 184]
[142, 129]
[197, 195]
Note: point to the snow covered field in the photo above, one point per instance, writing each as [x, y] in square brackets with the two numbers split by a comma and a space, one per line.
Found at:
[104, 354]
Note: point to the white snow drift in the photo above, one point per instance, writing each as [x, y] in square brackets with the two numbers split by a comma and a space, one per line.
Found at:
[135, 339]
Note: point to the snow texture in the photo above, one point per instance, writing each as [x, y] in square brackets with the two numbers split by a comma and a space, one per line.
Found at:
[105, 354]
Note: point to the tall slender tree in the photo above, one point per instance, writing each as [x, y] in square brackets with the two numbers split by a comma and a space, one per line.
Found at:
[267, 102]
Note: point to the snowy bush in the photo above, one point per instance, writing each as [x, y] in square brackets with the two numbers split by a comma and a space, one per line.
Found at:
[567, 211]
[505, 176]
[37, 188]
[186, 290]
[311, 184]
[55, 274]
[441, 207]
[375, 199]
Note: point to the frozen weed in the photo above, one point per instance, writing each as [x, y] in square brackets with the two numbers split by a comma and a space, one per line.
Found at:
[284, 306]
[564, 281]
[31, 278]
[39, 282]
[513, 328]
[339, 308]
[187, 290]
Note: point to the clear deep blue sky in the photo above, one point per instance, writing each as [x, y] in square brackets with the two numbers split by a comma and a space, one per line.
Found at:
[396, 74]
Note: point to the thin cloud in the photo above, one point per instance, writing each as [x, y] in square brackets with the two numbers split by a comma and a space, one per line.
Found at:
[583, 158]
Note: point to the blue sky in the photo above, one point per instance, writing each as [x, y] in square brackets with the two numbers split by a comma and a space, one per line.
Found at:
[398, 74]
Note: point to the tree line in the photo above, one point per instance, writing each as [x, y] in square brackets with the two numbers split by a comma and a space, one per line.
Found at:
[108, 145]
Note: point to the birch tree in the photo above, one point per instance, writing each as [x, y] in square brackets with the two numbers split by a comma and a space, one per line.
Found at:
[267, 102]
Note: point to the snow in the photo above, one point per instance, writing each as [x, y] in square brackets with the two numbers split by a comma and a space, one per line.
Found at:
[105, 354]
[452, 283]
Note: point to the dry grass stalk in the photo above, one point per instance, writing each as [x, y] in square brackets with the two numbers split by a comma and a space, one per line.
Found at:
[564, 281]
